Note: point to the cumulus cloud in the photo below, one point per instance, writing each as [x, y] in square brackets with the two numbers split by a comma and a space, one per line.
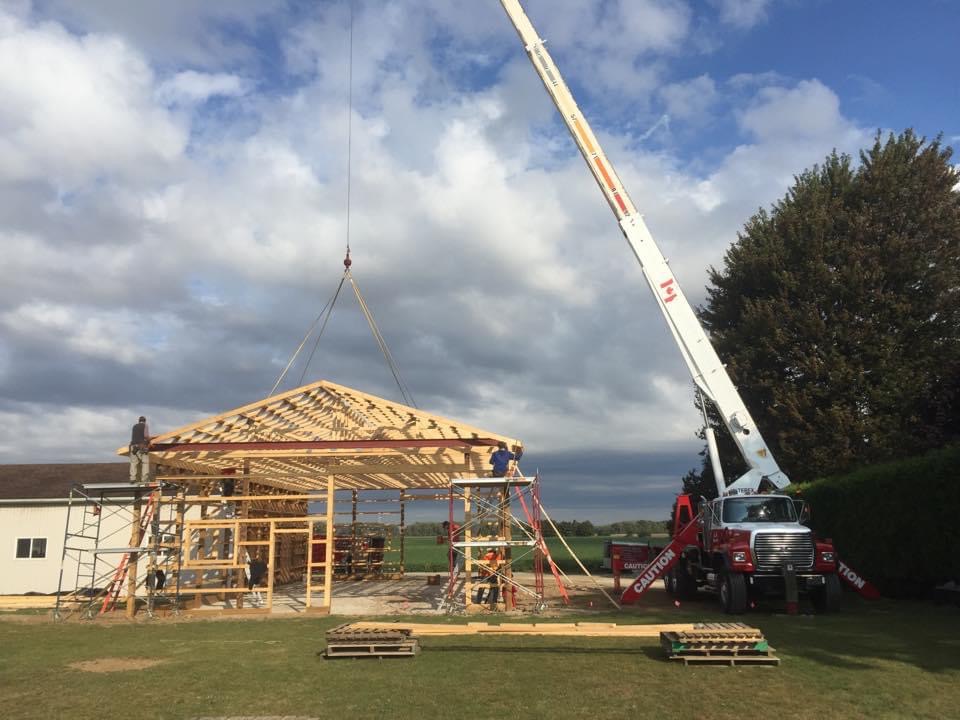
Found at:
[164, 255]
[809, 109]
[77, 107]
[742, 14]
[690, 99]
[209, 34]
[194, 87]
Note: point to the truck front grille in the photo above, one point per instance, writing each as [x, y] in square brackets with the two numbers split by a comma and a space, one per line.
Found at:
[772, 550]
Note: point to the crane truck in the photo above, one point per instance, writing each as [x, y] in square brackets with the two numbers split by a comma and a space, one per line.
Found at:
[743, 543]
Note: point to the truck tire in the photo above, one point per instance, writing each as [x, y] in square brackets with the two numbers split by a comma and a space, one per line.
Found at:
[733, 593]
[670, 582]
[685, 585]
[827, 598]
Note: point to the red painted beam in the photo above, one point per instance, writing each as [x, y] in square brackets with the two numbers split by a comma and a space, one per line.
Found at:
[325, 445]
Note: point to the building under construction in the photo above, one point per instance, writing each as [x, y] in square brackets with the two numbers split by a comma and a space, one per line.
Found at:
[299, 483]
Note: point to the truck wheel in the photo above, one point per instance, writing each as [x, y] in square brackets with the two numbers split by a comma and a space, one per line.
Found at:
[670, 582]
[733, 593]
[826, 599]
[685, 585]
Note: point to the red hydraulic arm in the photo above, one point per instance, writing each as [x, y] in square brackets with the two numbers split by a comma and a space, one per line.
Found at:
[856, 581]
[667, 558]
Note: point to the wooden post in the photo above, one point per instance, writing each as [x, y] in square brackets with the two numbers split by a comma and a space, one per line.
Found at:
[181, 511]
[328, 567]
[403, 531]
[354, 555]
[271, 569]
[203, 492]
[467, 551]
[132, 566]
[508, 589]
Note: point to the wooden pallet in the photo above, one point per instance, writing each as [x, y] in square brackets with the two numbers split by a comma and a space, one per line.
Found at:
[728, 659]
[407, 648]
[350, 641]
[719, 643]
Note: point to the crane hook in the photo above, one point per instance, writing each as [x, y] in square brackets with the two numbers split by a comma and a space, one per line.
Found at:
[347, 262]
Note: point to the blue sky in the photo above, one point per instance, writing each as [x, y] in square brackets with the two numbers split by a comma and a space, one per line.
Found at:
[173, 205]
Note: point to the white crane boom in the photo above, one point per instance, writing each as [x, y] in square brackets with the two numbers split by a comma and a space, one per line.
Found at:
[708, 372]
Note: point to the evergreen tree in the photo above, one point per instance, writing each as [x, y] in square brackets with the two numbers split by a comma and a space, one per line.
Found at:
[838, 312]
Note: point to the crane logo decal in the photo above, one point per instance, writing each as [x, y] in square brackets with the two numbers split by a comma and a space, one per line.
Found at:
[669, 291]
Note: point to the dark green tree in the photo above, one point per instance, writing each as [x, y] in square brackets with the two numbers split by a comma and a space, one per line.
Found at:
[838, 312]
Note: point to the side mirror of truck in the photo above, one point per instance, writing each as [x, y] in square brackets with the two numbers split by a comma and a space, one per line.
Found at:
[803, 511]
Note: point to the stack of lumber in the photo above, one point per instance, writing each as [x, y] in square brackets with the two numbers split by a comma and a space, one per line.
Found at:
[19, 602]
[719, 643]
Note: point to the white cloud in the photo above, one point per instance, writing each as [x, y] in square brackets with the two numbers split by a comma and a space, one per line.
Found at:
[208, 34]
[195, 87]
[35, 432]
[742, 14]
[115, 336]
[691, 99]
[142, 270]
[76, 108]
[808, 110]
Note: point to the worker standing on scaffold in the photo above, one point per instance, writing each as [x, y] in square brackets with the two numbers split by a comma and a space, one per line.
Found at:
[502, 457]
[139, 452]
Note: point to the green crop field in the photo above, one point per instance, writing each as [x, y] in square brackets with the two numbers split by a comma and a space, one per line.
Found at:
[883, 660]
[424, 554]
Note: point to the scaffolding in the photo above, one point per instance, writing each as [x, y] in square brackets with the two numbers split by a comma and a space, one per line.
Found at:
[101, 516]
[199, 537]
[489, 524]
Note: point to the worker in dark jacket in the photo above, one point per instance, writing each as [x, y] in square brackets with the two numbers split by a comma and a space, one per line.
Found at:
[256, 575]
[502, 457]
[139, 452]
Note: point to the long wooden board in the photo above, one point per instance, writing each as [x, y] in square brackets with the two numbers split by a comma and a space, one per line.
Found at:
[569, 629]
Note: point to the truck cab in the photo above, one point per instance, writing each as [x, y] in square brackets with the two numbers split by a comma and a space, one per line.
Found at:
[750, 545]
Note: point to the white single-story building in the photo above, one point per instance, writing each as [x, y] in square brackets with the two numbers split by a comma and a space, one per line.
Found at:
[33, 519]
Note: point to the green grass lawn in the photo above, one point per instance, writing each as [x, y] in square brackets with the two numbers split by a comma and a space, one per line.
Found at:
[884, 660]
[424, 554]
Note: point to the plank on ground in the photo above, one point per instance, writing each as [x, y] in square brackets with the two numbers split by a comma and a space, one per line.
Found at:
[571, 629]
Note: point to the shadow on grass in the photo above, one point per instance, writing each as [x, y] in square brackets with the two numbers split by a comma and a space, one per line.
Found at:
[864, 636]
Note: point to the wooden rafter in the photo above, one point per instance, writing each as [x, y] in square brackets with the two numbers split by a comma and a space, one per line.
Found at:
[298, 439]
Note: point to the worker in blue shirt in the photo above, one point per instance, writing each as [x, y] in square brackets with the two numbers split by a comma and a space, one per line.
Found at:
[502, 457]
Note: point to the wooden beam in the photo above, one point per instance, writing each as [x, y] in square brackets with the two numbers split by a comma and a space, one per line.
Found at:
[566, 629]
[287, 445]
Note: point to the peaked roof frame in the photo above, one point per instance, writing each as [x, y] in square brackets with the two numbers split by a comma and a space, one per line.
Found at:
[297, 439]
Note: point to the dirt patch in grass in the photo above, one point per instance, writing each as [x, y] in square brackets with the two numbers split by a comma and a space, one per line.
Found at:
[105, 665]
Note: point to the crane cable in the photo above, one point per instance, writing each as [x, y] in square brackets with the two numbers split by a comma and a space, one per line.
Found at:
[382, 343]
[306, 337]
[347, 275]
[349, 133]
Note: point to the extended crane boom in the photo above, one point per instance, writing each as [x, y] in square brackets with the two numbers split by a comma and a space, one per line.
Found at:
[708, 372]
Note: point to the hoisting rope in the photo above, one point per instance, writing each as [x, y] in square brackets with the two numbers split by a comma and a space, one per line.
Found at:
[382, 343]
[574, 556]
[325, 315]
[347, 275]
[377, 336]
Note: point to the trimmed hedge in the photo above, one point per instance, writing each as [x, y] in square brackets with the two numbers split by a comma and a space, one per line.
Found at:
[897, 524]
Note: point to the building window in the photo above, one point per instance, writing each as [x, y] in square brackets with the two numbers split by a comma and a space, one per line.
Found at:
[31, 547]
